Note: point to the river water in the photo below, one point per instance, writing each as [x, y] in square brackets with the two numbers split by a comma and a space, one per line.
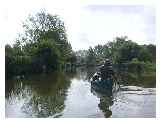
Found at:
[66, 95]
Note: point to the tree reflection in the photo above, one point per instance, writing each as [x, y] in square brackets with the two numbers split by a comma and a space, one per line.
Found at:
[85, 73]
[106, 100]
[43, 95]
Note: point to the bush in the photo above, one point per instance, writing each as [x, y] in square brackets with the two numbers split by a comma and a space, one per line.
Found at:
[46, 57]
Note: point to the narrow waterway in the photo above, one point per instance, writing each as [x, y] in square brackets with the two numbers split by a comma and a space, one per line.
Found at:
[61, 94]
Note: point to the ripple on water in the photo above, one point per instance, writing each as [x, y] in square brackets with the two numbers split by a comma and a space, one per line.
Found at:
[133, 101]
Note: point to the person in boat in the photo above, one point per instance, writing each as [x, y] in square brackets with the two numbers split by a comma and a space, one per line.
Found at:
[103, 80]
[106, 70]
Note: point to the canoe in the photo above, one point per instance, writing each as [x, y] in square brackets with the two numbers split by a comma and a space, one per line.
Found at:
[104, 86]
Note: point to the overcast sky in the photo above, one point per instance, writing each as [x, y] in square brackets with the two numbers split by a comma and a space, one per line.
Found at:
[87, 24]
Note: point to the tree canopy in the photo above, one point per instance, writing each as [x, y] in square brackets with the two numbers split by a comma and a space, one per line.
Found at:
[42, 46]
[120, 50]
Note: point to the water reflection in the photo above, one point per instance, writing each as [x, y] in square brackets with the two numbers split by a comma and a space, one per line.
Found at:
[106, 100]
[61, 94]
[38, 96]
[135, 79]
[85, 73]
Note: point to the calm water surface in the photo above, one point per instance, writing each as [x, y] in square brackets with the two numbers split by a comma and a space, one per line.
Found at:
[70, 95]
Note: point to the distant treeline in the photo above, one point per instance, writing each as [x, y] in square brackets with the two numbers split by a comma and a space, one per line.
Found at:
[42, 47]
[121, 50]
[132, 62]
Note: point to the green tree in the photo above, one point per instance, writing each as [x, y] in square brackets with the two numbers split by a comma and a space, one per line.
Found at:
[144, 54]
[46, 56]
[42, 47]
[81, 56]
[43, 26]
[152, 50]
[99, 53]
[9, 62]
[127, 52]
[90, 58]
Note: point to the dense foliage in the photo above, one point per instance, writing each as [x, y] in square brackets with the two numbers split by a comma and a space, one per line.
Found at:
[121, 50]
[42, 48]
[132, 62]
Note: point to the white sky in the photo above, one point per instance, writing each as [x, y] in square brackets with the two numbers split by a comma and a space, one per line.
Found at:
[88, 23]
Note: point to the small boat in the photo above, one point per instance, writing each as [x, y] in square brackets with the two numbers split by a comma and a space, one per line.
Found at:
[104, 80]
[100, 85]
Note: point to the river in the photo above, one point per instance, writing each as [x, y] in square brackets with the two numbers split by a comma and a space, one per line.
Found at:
[60, 94]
